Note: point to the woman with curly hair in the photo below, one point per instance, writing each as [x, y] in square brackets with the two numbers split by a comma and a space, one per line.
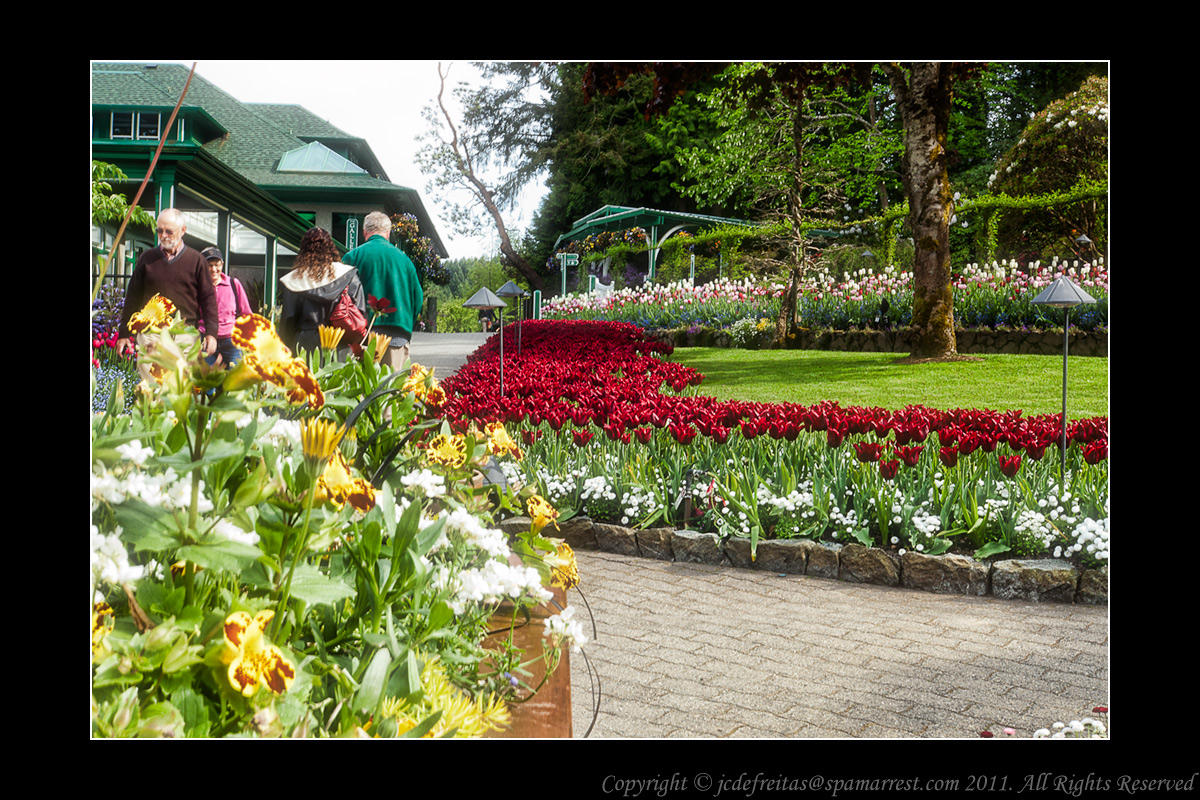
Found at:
[313, 287]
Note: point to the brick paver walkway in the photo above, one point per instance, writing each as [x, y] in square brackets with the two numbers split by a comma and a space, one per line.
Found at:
[693, 650]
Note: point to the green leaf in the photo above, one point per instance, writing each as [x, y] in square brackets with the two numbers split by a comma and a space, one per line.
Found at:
[257, 487]
[217, 451]
[220, 555]
[194, 710]
[371, 689]
[423, 728]
[863, 535]
[313, 587]
[937, 546]
[990, 549]
[146, 527]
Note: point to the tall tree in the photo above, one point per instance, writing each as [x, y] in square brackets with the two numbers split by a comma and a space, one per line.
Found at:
[924, 92]
[499, 129]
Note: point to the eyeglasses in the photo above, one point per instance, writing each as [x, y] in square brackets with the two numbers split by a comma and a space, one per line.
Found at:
[167, 231]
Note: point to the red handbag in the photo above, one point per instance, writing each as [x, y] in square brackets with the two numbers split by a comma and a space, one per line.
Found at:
[345, 315]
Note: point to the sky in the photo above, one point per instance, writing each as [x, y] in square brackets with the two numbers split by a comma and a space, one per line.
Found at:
[389, 118]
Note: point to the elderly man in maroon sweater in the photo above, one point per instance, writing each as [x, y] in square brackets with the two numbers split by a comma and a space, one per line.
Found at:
[177, 272]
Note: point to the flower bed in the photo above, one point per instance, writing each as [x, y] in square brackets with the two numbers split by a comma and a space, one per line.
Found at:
[985, 297]
[976, 340]
[300, 546]
[610, 431]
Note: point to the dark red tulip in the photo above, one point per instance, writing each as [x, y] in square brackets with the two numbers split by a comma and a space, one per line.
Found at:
[1096, 451]
[682, 433]
[868, 451]
[948, 455]
[582, 436]
[644, 434]
[833, 437]
[1009, 465]
[909, 454]
[889, 467]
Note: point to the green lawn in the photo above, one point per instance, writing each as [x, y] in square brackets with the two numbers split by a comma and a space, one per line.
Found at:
[999, 382]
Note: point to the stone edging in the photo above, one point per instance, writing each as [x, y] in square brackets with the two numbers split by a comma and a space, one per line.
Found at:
[1051, 580]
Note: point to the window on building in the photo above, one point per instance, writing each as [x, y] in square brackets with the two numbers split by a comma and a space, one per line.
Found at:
[122, 125]
[148, 125]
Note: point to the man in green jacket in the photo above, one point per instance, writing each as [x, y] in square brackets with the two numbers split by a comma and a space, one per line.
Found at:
[388, 274]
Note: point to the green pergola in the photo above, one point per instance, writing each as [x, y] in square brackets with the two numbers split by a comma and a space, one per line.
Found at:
[659, 225]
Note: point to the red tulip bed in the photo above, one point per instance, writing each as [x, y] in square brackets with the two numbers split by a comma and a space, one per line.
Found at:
[611, 430]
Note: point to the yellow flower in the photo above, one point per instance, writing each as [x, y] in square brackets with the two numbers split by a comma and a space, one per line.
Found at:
[338, 487]
[565, 570]
[541, 512]
[319, 439]
[267, 358]
[415, 382]
[435, 397]
[381, 344]
[155, 314]
[450, 451]
[252, 660]
[330, 336]
[103, 620]
[180, 567]
[500, 443]
[460, 714]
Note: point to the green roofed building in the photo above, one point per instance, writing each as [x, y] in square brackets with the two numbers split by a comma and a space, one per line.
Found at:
[251, 178]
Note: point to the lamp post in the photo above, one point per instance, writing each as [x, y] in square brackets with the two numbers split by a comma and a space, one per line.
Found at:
[1064, 294]
[486, 298]
[510, 289]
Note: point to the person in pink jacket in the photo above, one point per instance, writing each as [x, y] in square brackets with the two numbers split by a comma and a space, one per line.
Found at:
[231, 304]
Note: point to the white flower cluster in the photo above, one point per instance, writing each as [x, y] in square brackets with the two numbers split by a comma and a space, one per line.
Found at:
[464, 527]
[429, 483]
[491, 583]
[1090, 536]
[560, 488]
[514, 476]
[637, 504]
[1033, 527]
[166, 490]
[564, 630]
[227, 530]
[110, 560]
[280, 432]
[598, 488]
[794, 508]
[599, 497]
[844, 523]
[1086, 728]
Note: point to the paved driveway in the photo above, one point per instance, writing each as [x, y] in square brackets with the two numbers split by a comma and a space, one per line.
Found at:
[693, 650]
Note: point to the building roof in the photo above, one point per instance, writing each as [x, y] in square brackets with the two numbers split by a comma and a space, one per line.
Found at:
[252, 138]
[615, 218]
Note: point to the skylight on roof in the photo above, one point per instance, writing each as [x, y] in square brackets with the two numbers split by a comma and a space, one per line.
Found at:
[316, 157]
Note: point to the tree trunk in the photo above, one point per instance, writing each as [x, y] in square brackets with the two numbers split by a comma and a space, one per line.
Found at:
[506, 247]
[786, 325]
[463, 163]
[923, 92]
